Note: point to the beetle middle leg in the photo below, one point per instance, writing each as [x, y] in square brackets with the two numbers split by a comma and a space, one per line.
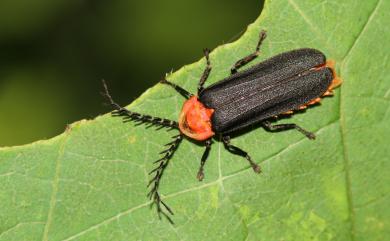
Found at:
[200, 174]
[250, 57]
[237, 151]
[283, 127]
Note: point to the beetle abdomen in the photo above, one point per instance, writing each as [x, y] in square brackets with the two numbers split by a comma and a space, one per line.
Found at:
[279, 84]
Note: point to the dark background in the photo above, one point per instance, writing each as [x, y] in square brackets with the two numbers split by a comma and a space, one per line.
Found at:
[54, 54]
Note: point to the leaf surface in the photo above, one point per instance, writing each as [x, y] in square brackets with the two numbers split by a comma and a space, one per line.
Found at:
[90, 182]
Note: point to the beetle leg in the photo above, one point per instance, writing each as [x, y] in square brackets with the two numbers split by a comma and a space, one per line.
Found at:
[237, 151]
[283, 127]
[128, 115]
[250, 57]
[159, 170]
[206, 72]
[200, 174]
[179, 89]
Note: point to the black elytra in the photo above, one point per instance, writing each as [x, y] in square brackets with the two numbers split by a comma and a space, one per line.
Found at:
[281, 84]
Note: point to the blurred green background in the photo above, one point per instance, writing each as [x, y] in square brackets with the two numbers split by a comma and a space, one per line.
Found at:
[54, 54]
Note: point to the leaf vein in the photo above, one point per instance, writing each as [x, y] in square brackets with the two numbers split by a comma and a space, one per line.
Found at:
[361, 32]
[310, 23]
[216, 182]
[55, 182]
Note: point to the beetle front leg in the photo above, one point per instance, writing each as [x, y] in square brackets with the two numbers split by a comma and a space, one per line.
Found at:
[179, 89]
[206, 71]
[250, 57]
[200, 174]
[237, 151]
[283, 127]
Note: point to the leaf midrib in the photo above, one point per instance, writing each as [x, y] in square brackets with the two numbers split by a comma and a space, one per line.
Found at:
[347, 161]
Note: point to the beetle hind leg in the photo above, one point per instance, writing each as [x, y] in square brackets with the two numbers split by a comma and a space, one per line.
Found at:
[237, 151]
[250, 57]
[283, 127]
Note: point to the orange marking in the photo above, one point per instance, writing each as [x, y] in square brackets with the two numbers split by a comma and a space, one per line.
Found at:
[336, 82]
[290, 112]
[195, 120]
[314, 101]
[328, 93]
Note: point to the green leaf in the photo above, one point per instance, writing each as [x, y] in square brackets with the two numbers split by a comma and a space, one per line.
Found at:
[89, 183]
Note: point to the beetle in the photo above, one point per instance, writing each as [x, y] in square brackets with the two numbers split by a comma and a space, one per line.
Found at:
[280, 85]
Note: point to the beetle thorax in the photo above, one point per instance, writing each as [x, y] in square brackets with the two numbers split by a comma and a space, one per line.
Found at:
[195, 120]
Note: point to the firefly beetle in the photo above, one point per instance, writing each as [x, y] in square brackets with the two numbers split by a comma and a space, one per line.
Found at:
[279, 85]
